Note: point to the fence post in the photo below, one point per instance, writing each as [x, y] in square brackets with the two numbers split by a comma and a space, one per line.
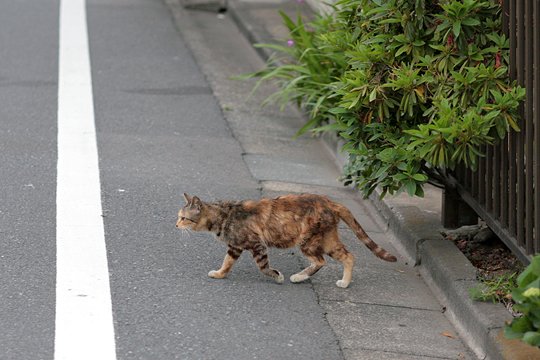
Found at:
[455, 211]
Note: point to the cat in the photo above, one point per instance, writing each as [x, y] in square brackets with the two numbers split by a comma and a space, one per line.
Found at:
[308, 221]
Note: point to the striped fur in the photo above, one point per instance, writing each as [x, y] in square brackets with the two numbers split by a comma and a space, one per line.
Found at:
[349, 219]
[307, 221]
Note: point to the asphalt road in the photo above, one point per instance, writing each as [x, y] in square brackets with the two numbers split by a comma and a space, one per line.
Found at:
[160, 132]
[28, 92]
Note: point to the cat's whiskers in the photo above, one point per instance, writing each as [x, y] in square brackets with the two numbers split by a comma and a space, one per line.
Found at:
[184, 232]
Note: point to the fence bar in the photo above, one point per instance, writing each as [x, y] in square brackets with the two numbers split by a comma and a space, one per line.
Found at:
[504, 182]
[512, 180]
[512, 175]
[469, 176]
[520, 64]
[528, 136]
[505, 16]
[482, 178]
[463, 174]
[474, 182]
[497, 154]
[489, 178]
[497, 180]
[504, 148]
[536, 118]
[512, 36]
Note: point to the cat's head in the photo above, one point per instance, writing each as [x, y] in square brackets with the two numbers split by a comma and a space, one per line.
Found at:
[190, 215]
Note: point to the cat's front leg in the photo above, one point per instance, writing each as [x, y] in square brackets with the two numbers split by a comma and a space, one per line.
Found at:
[232, 255]
[260, 255]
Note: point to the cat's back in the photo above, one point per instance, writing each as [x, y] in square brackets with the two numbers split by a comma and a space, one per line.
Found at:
[302, 201]
[283, 220]
[266, 208]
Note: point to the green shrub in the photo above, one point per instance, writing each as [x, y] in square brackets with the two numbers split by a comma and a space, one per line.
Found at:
[414, 87]
[527, 298]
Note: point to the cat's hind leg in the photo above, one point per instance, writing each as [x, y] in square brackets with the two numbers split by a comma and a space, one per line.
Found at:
[313, 251]
[341, 254]
[233, 254]
[260, 255]
[337, 251]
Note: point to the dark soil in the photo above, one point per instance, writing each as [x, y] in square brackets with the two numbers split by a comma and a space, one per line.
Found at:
[493, 260]
[491, 256]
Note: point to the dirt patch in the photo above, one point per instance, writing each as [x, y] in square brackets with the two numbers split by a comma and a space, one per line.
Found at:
[497, 266]
[484, 250]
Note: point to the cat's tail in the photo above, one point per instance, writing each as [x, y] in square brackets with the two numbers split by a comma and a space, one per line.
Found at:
[349, 219]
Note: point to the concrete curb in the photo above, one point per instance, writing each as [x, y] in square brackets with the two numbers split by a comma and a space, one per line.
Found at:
[450, 274]
[255, 34]
[444, 268]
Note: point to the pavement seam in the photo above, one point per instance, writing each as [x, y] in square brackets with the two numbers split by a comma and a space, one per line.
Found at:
[301, 261]
[383, 305]
[263, 181]
[278, 182]
[323, 310]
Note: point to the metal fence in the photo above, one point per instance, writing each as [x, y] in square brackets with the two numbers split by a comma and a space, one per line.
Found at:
[505, 191]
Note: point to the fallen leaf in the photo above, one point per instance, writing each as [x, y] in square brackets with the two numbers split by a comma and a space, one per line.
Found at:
[448, 334]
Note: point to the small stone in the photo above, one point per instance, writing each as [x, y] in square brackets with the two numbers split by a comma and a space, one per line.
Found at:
[484, 235]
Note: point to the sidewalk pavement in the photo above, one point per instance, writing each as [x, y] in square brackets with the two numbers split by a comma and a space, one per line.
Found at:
[388, 312]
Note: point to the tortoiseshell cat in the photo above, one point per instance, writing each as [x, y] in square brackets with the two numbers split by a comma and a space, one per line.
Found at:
[308, 221]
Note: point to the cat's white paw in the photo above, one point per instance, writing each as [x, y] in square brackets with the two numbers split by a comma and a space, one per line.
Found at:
[280, 278]
[216, 274]
[296, 278]
[342, 284]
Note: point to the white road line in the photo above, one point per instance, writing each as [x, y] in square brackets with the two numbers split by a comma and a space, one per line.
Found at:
[84, 322]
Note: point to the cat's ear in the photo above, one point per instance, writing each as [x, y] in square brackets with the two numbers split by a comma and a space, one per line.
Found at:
[196, 202]
[187, 198]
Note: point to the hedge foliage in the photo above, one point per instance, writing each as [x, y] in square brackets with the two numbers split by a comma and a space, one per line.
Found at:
[414, 87]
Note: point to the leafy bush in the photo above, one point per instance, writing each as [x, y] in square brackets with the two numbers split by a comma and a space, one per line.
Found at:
[527, 298]
[414, 87]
